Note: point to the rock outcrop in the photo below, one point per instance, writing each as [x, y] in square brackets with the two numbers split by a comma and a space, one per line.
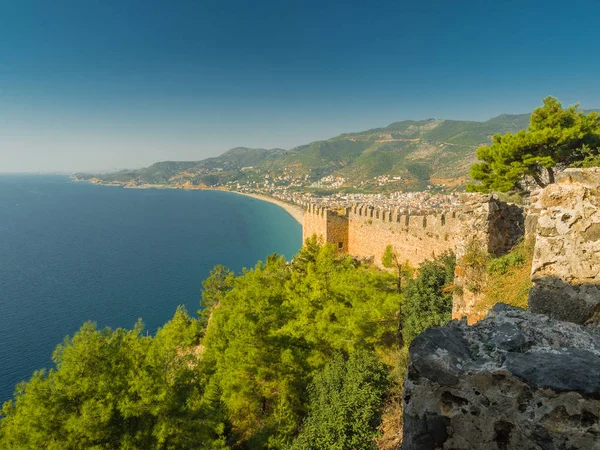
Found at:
[566, 264]
[514, 380]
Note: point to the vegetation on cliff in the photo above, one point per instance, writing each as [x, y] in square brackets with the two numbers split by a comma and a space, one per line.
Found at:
[506, 279]
[427, 300]
[283, 355]
[556, 138]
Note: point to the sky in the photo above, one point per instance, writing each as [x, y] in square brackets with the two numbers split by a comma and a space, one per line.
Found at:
[103, 85]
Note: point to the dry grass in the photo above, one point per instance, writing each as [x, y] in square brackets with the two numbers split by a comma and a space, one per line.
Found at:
[510, 282]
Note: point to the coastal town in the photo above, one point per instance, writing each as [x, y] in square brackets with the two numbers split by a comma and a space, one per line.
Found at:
[302, 198]
[327, 192]
[403, 200]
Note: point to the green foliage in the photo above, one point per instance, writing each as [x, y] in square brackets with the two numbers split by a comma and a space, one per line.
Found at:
[503, 264]
[508, 278]
[391, 259]
[279, 325]
[209, 180]
[345, 404]
[307, 254]
[555, 137]
[591, 158]
[589, 161]
[427, 301]
[388, 257]
[214, 289]
[115, 389]
[239, 376]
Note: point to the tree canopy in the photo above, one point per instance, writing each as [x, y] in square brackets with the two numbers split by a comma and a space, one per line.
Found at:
[391, 260]
[557, 137]
[115, 389]
[279, 325]
[285, 353]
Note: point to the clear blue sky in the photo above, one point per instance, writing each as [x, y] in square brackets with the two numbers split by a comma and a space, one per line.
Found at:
[96, 85]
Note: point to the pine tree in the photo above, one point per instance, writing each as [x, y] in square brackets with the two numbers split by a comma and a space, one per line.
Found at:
[556, 138]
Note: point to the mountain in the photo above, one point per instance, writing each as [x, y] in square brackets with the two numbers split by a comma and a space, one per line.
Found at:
[407, 155]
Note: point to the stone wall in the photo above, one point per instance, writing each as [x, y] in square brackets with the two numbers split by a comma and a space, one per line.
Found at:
[566, 264]
[337, 229]
[482, 224]
[518, 379]
[329, 225]
[415, 237]
[514, 380]
[489, 227]
[314, 223]
[365, 232]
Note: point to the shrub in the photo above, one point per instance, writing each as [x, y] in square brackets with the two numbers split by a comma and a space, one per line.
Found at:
[346, 400]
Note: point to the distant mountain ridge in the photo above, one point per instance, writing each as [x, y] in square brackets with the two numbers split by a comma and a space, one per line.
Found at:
[406, 155]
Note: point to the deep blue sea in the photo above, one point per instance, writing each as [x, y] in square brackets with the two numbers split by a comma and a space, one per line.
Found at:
[73, 252]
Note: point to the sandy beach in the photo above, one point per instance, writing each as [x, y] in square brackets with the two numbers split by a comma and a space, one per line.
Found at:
[295, 211]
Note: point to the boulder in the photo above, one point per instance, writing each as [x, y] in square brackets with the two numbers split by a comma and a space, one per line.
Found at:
[514, 380]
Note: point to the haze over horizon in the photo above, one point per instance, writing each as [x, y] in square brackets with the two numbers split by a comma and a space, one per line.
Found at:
[90, 86]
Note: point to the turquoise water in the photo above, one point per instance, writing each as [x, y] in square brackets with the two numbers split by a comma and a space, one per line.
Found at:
[72, 252]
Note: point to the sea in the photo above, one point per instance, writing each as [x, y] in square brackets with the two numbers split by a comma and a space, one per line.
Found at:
[75, 252]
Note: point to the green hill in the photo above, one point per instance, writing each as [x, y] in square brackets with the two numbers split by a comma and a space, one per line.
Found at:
[412, 154]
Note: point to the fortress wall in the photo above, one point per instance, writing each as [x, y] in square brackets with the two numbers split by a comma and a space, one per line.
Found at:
[331, 226]
[365, 232]
[315, 222]
[337, 230]
[415, 237]
[481, 223]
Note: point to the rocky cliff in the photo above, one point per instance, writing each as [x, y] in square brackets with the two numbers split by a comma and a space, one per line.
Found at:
[514, 380]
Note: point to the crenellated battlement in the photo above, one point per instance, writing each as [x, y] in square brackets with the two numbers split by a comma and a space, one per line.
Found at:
[419, 218]
[416, 234]
[324, 211]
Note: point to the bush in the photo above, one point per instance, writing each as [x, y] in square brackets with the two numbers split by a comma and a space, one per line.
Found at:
[346, 400]
[505, 263]
[427, 298]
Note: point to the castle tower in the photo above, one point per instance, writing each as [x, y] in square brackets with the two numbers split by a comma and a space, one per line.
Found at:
[329, 225]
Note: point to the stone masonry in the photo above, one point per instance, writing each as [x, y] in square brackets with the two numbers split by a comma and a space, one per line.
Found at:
[365, 232]
[566, 265]
[520, 379]
[490, 227]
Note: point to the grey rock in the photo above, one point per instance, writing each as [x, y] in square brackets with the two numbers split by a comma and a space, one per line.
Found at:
[514, 380]
[563, 370]
[441, 353]
[510, 338]
[564, 301]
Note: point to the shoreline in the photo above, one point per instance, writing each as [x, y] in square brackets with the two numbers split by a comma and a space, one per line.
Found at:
[295, 211]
